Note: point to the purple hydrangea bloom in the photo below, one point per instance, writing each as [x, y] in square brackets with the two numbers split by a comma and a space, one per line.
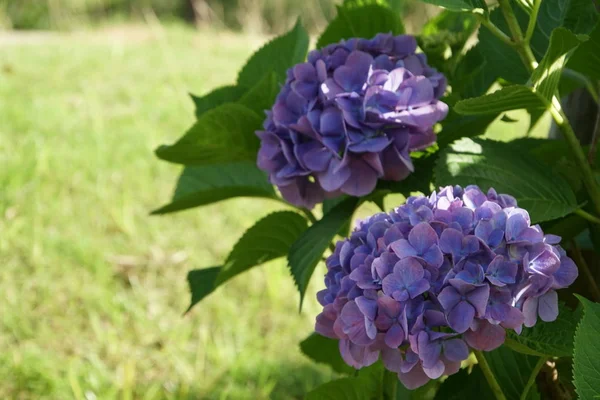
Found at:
[422, 285]
[350, 116]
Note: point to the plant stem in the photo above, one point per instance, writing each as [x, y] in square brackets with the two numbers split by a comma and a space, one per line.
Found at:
[495, 30]
[534, 374]
[390, 385]
[582, 265]
[586, 215]
[520, 44]
[532, 20]
[489, 375]
[580, 158]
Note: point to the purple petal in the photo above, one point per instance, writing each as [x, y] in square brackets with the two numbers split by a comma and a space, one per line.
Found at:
[514, 318]
[501, 272]
[461, 316]
[470, 244]
[515, 224]
[402, 248]
[422, 237]
[545, 262]
[566, 273]
[548, 306]
[448, 298]
[418, 287]
[487, 337]
[414, 378]
[410, 270]
[395, 336]
[335, 175]
[362, 180]
[436, 370]
[456, 350]
[324, 322]
[434, 257]
[451, 242]
[530, 311]
[353, 74]
[479, 299]
[367, 306]
[389, 306]
[394, 286]
[429, 352]
[392, 359]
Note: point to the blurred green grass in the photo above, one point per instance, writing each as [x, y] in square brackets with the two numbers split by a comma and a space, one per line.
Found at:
[92, 289]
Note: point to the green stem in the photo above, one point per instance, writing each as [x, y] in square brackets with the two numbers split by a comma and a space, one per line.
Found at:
[390, 385]
[494, 29]
[520, 44]
[580, 158]
[532, 20]
[582, 265]
[489, 375]
[534, 374]
[586, 215]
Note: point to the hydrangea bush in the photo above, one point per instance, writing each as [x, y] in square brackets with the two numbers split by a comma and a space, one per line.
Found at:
[482, 282]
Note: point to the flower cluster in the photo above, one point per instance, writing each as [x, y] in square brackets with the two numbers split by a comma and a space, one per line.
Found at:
[350, 116]
[441, 274]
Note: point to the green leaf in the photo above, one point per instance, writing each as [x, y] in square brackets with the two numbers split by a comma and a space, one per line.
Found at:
[459, 5]
[365, 386]
[276, 56]
[201, 185]
[491, 58]
[549, 339]
[262, 96]
[586, 358]
[512, 370]
[362, 22]
[508, 169]
[464, 385]
[546, 76]
[271, 237]
[201, 283]
[456, 126]
[223, 134]
[506, 99]
[306, 252]
[224, 94]
[500, 59]
[474, 74]
[578, 16]
[586, 58]
[326, 351]
[443, 39]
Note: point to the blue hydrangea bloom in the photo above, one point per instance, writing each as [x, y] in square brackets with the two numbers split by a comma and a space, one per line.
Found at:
[422, 285]
[349, 116]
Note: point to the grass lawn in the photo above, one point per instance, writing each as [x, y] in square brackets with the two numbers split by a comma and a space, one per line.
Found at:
[92, 289]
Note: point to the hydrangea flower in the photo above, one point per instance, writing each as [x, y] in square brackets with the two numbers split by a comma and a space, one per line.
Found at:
[422, 285]
[349, 116]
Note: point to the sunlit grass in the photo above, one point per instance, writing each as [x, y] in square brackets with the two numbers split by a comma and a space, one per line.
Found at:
[92, 289]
